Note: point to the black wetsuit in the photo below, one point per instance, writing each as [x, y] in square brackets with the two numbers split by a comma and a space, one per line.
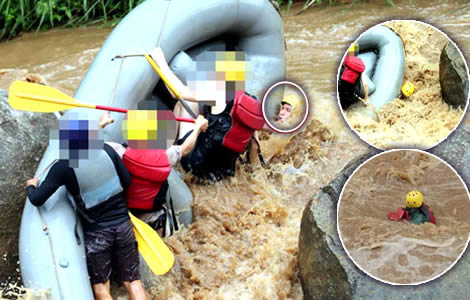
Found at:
[107, 214]
[210, 159]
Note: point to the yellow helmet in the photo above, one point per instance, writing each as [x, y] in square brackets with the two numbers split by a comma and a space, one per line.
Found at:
[414, 199]
[354, 48]
[293, 100]
[408, 88]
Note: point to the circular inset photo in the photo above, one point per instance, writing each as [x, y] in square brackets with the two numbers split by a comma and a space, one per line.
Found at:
[403, 84]
[404, 217]
[285, 107]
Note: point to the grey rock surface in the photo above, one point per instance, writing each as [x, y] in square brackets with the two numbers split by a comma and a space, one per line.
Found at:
[326, 272]
[24, 138]
[453, 76]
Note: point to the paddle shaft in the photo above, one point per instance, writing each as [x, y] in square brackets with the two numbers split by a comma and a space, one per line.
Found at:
[170, 85]
[163, 77]
[86, 105]
[123, 110]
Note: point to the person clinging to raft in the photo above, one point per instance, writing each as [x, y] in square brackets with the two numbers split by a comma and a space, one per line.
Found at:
[415, 211]
[289, 105]
[351, 78]
[147, 195]
[95, 179]
[233, 118]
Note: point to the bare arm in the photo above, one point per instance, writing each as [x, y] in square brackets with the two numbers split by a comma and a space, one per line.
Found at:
[366, 87]
[206, 96]
[159, 58]
[188, 144]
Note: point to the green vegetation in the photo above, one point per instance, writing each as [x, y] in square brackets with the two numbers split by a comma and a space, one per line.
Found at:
[309, 3]
[25, 15]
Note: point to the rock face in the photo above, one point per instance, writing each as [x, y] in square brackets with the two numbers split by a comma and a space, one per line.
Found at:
[453, 76]
[326, 272]
[24, 138]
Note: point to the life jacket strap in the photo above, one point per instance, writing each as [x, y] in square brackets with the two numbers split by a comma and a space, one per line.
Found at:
[75, 230]
[81, 209]
[260, 155]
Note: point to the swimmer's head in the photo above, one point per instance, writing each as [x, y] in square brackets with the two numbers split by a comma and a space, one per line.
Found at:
[354, 49]
[289, 104]
[222, 71]
[76, 138]
[414, 199]
[408, 89]
[284, 112]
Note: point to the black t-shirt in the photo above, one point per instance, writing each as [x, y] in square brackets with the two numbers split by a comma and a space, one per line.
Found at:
[209, 159]
[106, 214]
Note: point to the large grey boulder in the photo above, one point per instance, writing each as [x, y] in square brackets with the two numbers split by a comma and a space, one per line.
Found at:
[24, 137]
[326, 272]
[453, 76]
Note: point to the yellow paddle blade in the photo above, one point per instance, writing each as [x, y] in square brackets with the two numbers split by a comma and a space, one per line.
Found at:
[40, 98]
[156, 254]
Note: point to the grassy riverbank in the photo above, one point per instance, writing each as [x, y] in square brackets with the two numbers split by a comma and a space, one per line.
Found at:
[18, 16]
[25, 15]
[310, 3]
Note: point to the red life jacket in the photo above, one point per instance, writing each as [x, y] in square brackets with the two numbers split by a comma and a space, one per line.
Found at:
[149, 170]
[247, 117]
[353, 67]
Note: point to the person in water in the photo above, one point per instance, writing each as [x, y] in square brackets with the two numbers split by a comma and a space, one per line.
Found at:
[233, 118]
[351, 77]
[284, 111]
[288, 108]
[99, 202]
[149, 168]
[416, 211]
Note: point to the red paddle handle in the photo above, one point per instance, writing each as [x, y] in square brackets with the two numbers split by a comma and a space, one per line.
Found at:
[187, 120]
[109, 108]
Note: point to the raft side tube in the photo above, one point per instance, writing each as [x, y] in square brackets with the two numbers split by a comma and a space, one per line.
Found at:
[50, 257]
[389, 70]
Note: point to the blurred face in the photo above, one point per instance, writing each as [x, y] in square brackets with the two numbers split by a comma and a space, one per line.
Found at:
[222, 73]
[76, 138]
[284, 113]
[149, 127]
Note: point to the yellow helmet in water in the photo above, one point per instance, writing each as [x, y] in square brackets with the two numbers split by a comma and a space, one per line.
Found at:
[414, 199]
[354, 48]
[408, 88]
[293, 100]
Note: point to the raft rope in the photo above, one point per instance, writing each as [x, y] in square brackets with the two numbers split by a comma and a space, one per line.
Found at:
[49, 237]
[123, 57]
[164, 23]
[117, 81]
[45, 229]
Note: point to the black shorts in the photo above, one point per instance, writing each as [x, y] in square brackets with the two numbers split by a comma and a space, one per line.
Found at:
[116, 246]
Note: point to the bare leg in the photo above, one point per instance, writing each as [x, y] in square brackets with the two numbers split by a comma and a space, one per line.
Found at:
[135, 289]
[102, 291]
[181, 112]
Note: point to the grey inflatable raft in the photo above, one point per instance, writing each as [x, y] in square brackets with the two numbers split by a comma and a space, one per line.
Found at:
[382, 52]
[50, 258]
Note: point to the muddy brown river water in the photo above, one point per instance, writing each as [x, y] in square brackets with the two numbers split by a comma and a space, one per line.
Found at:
[402, 252]
[244, 240]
